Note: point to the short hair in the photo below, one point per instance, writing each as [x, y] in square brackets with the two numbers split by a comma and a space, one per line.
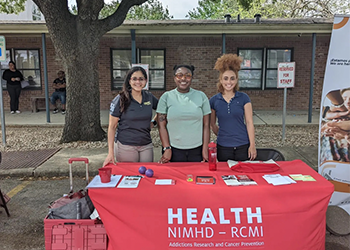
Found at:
[12, 63]
[189, 67]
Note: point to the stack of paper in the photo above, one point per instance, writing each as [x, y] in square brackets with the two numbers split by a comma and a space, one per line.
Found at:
[96, 182]
[277, 179]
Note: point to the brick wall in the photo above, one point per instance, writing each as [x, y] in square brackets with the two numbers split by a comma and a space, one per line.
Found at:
[202, 52]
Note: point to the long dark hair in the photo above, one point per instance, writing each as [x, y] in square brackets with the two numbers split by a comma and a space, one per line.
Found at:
[125, 94]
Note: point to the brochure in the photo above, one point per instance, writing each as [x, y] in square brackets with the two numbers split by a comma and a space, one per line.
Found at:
[245, 179]
[130, 181]
[230, 180]
[206, 180]
[300, 177]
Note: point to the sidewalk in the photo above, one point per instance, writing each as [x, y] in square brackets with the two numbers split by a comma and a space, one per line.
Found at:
[259, 118]
[57, 165]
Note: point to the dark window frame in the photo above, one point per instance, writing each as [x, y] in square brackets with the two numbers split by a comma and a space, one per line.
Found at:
[164, 63]
[3, 82]
[112, 69]
[23, 69]
[138, 59]
[264, 66]
[266, 63]
[254, 69]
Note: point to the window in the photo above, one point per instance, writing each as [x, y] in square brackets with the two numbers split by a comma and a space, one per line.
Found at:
[259, 67]
[28, 62]
[4, 66]
[36, 14]
[122, 61]
[275, 56]
[250, 74]
[156, 62]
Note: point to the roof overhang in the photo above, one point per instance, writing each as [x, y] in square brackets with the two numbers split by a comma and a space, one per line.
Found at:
[192, 27]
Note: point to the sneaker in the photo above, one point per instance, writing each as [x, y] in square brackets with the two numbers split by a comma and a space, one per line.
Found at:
[18, 112]
[12, 112]
[63, 111]
[55, 111]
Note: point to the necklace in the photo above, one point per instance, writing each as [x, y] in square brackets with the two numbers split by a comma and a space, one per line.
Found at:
[228, 97]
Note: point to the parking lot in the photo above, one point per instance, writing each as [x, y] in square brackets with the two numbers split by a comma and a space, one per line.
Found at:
[24, 229]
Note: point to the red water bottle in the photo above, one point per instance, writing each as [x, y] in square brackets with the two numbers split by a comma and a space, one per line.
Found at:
[212, 156]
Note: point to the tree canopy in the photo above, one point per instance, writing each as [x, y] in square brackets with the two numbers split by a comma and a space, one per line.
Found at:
[151, 10]
[216, 9]
[11, 6]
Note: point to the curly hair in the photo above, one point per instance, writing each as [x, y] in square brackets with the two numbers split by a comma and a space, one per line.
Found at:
[228, 62]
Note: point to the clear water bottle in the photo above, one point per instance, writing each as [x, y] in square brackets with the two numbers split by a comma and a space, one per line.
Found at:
[212, 156]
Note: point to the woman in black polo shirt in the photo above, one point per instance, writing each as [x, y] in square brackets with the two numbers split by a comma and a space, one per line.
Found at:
[130, 116]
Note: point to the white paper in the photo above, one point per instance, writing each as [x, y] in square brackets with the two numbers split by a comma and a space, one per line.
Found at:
[129, 182]
[164, 182]
[277, 179]
[96, 182]
[94, 215]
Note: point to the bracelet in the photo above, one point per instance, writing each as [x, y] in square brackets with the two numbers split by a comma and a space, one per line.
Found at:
[337, 106]
[165, 148]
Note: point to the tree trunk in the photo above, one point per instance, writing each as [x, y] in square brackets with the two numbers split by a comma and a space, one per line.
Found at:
[76, 39]
[83, 94]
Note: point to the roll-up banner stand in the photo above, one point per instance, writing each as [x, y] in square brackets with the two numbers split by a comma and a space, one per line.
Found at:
[334, 134]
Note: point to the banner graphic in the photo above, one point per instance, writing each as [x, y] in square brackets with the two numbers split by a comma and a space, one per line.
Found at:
[334, 133]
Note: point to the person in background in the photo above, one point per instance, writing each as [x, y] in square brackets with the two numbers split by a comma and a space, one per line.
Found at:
[183, 120]
[233, 109]
[59, 84]
[131, 115]
[13, 79]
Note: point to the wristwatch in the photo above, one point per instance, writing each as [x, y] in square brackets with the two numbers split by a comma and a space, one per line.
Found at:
[154, 122]
[165, 148]
[337, 106]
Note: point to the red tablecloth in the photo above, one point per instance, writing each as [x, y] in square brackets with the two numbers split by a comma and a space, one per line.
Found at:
[191, 216]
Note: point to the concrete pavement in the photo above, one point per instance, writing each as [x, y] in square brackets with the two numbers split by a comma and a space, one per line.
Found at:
[57, 165]
[259, 118]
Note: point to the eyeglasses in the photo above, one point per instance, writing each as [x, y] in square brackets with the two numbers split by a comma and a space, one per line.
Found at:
[135, 79]
[180, 76]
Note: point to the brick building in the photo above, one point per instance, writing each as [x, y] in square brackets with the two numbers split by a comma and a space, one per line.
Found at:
[162, 44]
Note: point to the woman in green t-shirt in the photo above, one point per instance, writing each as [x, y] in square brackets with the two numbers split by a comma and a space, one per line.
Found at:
[183, 118]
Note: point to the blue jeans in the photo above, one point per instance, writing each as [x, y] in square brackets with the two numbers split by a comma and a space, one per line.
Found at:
[58, 95]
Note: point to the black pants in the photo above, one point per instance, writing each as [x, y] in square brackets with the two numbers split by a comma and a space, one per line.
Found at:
[239, 153]
[14, 92]
[186, 155]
